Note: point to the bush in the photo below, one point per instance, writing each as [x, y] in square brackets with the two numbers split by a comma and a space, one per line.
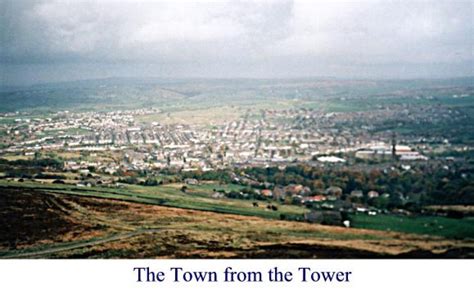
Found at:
[151, 182]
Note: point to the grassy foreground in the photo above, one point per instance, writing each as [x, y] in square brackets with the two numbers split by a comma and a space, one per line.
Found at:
[199, 197]
[45, 220]
[44, 224]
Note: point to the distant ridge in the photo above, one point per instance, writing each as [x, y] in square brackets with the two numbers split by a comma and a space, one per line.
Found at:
[131, 92]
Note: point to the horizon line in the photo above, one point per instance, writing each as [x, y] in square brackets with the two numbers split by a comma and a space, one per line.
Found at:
[289, 78]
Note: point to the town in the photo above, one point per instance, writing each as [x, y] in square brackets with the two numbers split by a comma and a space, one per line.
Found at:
[273, 137]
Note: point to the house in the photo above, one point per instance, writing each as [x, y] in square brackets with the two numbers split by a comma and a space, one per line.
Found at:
[217, 195]
[373, 194]
[356, 194]
[266, 193]
[317, 198]
[293, 189]
[331, 159]
[305, 191]
[191, 181]
[84, 172]
[411, 157]
[334, 191]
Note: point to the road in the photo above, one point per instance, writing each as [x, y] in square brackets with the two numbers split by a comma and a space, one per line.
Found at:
[74, 245]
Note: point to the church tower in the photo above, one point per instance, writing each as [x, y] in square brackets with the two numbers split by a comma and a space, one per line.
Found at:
[394, 146]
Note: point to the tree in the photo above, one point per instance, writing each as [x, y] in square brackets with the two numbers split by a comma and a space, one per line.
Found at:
[37, 155]
[381, 202]
[466, 195]
[150, 182]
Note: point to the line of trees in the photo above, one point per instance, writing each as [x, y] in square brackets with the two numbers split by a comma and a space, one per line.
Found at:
[422, 184]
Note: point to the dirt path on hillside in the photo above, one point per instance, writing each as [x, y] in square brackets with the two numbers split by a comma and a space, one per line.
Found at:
[70, 246]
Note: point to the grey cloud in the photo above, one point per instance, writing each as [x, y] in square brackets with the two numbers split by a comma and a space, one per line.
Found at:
[239, 38]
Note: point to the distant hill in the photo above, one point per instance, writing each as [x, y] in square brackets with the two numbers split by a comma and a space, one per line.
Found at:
[126, 93]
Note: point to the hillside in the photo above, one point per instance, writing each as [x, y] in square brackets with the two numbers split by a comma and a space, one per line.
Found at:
[131, 93]
[38, 224]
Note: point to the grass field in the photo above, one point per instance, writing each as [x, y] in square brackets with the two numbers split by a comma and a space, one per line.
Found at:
[427, 225]
[209, 116]
[13, 157]
[215, 111]
[367, 104]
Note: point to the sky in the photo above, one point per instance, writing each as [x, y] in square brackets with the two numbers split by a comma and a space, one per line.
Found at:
[47, 41]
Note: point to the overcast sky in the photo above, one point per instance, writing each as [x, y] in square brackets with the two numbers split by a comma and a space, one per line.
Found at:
[45, 41]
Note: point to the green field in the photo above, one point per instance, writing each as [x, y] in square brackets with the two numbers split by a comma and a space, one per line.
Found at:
[427, 225]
